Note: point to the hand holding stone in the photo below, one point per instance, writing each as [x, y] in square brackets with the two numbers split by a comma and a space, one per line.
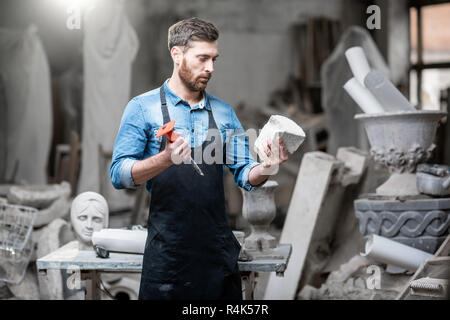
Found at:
[275, 153]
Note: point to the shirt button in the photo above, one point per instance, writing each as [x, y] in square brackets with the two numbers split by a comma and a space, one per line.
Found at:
[192, 130]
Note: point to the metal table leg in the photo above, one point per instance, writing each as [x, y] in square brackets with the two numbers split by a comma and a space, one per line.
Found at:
[248, 283]
[92, 284]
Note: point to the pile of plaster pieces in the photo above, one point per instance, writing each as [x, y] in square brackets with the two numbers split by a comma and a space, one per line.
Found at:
[375, 93]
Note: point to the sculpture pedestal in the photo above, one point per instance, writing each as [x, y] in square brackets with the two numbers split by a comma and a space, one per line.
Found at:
[259, 239]
[399, 184]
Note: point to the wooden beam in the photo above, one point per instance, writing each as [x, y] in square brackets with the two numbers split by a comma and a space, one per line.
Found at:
[419, 57]
[435, 65]
[423, 3]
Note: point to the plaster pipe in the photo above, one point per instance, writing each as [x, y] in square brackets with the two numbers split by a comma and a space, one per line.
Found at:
[386, 93]
[121, 240]
[358, 63]
[394, 253]
[365, 100]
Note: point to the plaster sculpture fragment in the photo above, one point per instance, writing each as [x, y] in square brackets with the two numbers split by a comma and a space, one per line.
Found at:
[89, 213]
[121, 240]
[290, 133]
[386, 93]
[392, 252]
[358, 63]
[110, 45]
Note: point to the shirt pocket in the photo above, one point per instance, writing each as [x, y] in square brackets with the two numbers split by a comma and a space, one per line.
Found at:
[154, 143]
[184, 132]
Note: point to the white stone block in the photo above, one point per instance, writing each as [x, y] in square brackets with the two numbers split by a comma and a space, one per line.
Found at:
[355, 162]
[291, 134]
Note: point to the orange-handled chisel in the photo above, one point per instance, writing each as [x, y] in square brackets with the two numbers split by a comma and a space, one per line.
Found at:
[167, 129]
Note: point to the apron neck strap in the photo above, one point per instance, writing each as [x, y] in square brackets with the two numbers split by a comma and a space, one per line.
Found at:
[165, 112]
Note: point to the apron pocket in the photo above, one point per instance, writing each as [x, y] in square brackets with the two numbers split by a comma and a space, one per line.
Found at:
[151, 234]
[236, 242]
[230, 253]
[160, 256]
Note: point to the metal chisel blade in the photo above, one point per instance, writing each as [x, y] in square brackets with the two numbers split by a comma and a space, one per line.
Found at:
[194, 164]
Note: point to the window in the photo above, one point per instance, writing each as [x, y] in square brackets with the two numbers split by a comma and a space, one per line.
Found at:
[430, 52]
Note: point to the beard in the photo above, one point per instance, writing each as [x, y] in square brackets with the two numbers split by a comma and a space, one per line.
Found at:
[190, 80]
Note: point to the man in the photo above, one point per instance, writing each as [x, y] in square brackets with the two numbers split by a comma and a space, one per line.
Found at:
[191, 252]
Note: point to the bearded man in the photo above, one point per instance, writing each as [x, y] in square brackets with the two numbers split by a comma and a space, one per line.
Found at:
[190, 252]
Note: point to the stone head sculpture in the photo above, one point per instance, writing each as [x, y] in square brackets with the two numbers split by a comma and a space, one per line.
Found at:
[89, 213]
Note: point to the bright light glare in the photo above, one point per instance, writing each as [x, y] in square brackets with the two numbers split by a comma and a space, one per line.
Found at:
[74, 3]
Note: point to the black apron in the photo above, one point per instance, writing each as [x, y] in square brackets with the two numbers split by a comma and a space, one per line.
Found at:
[191, 252]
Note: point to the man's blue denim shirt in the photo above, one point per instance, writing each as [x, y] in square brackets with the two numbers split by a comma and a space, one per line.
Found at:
[136, 139]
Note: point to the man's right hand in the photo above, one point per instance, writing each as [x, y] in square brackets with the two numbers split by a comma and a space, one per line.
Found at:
[173, 153]
[178, 151]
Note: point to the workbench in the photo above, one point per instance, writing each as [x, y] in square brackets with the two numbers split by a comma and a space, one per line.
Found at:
[89, 266]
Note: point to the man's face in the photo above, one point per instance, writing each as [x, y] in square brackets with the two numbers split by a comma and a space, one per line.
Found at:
[197, 64]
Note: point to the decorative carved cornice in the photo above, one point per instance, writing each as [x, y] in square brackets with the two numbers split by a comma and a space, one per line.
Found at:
[410, 224]
[399, 161]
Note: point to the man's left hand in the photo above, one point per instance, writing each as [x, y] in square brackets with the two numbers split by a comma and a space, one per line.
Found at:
[275, 154]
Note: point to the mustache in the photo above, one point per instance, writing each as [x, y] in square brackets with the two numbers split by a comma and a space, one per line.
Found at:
[208, 76]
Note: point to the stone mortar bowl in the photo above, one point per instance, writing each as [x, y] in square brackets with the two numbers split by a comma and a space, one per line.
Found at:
[401, 140]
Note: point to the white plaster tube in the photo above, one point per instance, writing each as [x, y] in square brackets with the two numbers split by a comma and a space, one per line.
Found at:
[386, 93]
[121, 240]
[394, 253]
[131, 241]
[358, 63]
[365, 100]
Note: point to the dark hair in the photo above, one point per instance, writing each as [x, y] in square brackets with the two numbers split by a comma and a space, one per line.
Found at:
[192, 29]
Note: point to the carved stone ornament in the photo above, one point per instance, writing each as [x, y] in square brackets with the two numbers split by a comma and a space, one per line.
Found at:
[401, 140]
[423, 224]
[399, 161]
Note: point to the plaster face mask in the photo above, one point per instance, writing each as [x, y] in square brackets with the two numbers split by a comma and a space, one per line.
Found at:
[89, 213]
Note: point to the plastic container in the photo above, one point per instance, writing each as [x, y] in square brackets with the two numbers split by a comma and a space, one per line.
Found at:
[16, 246]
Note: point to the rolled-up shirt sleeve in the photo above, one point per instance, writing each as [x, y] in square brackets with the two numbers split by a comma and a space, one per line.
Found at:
[237, 155]
[129, 146]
